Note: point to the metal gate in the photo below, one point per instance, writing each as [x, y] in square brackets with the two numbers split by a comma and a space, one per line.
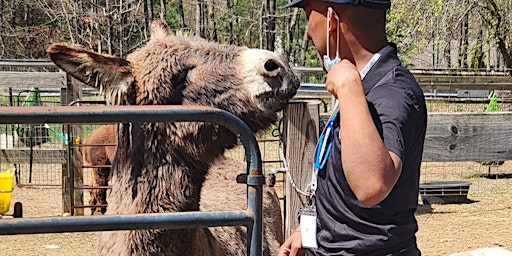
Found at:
[250, 218]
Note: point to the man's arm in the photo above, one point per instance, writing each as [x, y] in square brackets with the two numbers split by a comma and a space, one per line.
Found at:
[370, 168]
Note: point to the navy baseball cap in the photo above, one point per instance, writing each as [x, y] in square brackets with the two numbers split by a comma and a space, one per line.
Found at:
[375, 4]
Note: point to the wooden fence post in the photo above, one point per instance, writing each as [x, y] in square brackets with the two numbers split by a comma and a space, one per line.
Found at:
[72, 172]
[300, 125]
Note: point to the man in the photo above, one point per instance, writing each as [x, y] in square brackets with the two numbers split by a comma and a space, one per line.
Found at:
[368, 159]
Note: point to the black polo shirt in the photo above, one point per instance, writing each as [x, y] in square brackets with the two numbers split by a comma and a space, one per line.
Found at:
[345, 227]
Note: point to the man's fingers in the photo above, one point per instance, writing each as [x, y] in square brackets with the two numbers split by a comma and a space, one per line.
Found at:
[292, 246]
[284, 251]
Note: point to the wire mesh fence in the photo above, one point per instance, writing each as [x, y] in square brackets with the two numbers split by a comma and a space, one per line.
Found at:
[35, 150]
[493, 176]
[38, 152]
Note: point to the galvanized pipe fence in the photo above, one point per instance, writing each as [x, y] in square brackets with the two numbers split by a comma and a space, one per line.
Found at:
[250, 218]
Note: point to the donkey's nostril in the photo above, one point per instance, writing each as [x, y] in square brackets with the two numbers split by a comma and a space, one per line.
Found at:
[271, 65]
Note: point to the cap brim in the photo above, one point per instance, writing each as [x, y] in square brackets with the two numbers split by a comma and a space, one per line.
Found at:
[294, 4]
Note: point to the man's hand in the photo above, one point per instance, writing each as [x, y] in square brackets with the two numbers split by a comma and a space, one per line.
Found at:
[293, 245]
[343, 79]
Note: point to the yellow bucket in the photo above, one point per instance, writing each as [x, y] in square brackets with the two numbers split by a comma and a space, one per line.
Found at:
[5, 190]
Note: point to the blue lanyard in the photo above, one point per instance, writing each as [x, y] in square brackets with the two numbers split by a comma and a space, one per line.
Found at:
[323, 148]
[324, 145]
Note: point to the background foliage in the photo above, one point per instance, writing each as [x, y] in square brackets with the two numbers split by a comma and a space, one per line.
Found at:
[429, 33]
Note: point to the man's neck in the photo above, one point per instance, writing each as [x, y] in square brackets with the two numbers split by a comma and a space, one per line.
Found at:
[363, 55]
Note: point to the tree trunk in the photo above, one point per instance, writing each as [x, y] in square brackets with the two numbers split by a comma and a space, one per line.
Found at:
[1, 10]
[200, 18]
[122, 21]
[303, 49]
[448, 55]
[110, 22]
[162, 9]
[182, 13]
[291, 28]
[271, 24]
[463, 43]
[477, 61]
[230, 22]
[148, 9]
[497, 25]
[261, 22]
[213, 35]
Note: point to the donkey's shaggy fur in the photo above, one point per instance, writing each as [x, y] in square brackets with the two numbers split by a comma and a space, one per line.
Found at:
[161, 167]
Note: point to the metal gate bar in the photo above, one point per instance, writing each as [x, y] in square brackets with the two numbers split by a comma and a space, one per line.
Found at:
[125, 222]
[251, 218]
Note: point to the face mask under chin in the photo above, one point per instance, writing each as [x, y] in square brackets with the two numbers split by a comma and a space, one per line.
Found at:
[328, 63]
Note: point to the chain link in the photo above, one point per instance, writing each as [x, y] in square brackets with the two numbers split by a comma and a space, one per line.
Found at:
[286, 166]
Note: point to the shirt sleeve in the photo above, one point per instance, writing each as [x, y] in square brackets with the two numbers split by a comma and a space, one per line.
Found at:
[395, 104]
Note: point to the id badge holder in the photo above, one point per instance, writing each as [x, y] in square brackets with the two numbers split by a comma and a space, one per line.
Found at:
[308, 227]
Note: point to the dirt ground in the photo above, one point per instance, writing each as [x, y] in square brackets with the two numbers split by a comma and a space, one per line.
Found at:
[44, 202]
[486, 220]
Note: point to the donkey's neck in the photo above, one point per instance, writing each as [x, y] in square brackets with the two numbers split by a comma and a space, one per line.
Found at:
[172, 189]
[154, 172]
[155, 179]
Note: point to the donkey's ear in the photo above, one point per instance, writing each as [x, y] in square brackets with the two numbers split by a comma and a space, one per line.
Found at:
[111, 75]
[160, 29]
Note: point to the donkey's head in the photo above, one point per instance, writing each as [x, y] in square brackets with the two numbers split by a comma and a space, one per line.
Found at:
[174, 70]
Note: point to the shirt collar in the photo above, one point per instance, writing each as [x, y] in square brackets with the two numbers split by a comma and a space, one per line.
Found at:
[387, 61]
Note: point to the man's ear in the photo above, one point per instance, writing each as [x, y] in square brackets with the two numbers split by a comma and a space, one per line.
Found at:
[332, 19]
